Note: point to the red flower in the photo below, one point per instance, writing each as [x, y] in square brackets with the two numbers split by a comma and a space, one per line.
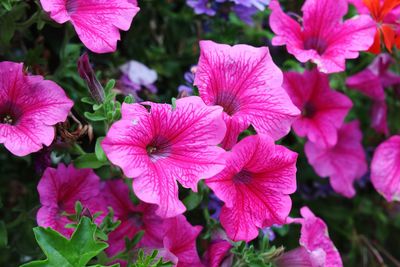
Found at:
[386, 25]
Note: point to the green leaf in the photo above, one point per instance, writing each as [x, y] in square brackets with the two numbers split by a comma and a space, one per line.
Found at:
[89, 161]
[7, 29]
[94, 116]
[98, 150]
[192, 200]
[109, 86]
[60, 251]
[3, 235]
[88, 100]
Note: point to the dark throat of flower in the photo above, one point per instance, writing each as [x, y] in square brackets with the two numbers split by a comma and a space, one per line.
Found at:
[158, 148]
[243, 177]
[309, 110]
[9, 115]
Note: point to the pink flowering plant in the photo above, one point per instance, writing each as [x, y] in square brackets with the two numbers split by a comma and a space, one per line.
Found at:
[199, 133]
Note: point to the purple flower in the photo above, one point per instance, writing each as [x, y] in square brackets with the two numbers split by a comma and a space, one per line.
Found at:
[201, 7]
[135, 77]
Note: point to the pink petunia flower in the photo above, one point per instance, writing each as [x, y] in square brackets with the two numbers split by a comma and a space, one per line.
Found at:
[324, 38]
[165, 145]
[385, 171]
[373, 80]
[247, 84]
[379, 117]
[316, 248]
[343, 163]
[174, 238]
[116, 196]
[29, 108]
[59, 190]
[217, 254]
[97, 22]
[255, 186]
[323, 109]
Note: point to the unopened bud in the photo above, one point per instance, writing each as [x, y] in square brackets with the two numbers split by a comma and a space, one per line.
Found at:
[87, 73]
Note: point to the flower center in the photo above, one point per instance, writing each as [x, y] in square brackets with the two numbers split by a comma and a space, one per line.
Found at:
[228, 102]
[243, 177]
[309, 110]
[316, 44]
[9, 114]
[158, 148]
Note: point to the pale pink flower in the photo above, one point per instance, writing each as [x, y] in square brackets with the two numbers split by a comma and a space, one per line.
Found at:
[255, 186]
[165, 145]
[174, 238]
[322, 109]
[60, 189]
[385, 170]
[29, 109]
[324, 38]
[343, 163]
[317, 249]
[248, 85]
[373, 80]
[97, 22]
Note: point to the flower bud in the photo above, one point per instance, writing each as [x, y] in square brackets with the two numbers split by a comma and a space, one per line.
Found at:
[87, 73]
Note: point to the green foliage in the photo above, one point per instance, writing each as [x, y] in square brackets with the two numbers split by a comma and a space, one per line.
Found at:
[75, 252]
[150, 260]
[248, 255]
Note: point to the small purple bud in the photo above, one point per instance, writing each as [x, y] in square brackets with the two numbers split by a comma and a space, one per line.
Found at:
[87, 74]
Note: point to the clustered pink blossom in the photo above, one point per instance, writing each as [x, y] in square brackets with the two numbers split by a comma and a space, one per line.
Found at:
[59, 190]
[97, 22]
[323, 37]
[385, 170]
[255, 186]
[344, 162]
[29, 108]
[197, 137]
[166, 144]
[246, 83]
[316, 248]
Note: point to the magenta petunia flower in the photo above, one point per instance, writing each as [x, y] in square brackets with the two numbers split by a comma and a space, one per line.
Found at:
[217, 254]
[116, 196]
[59, 190]
[165, 145]
[373, 80]
[247, 84]
[174, 238]
[379, 117]
[255, 186]
[29, 108]
[97, 22]
[385, 171]
[322, 109]
[324, 38]
[316, 248]
[343, 163]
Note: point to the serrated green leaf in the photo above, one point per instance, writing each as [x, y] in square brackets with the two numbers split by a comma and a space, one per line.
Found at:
[101, 156]
[60, 251]
[3, 235]
[89, 161]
